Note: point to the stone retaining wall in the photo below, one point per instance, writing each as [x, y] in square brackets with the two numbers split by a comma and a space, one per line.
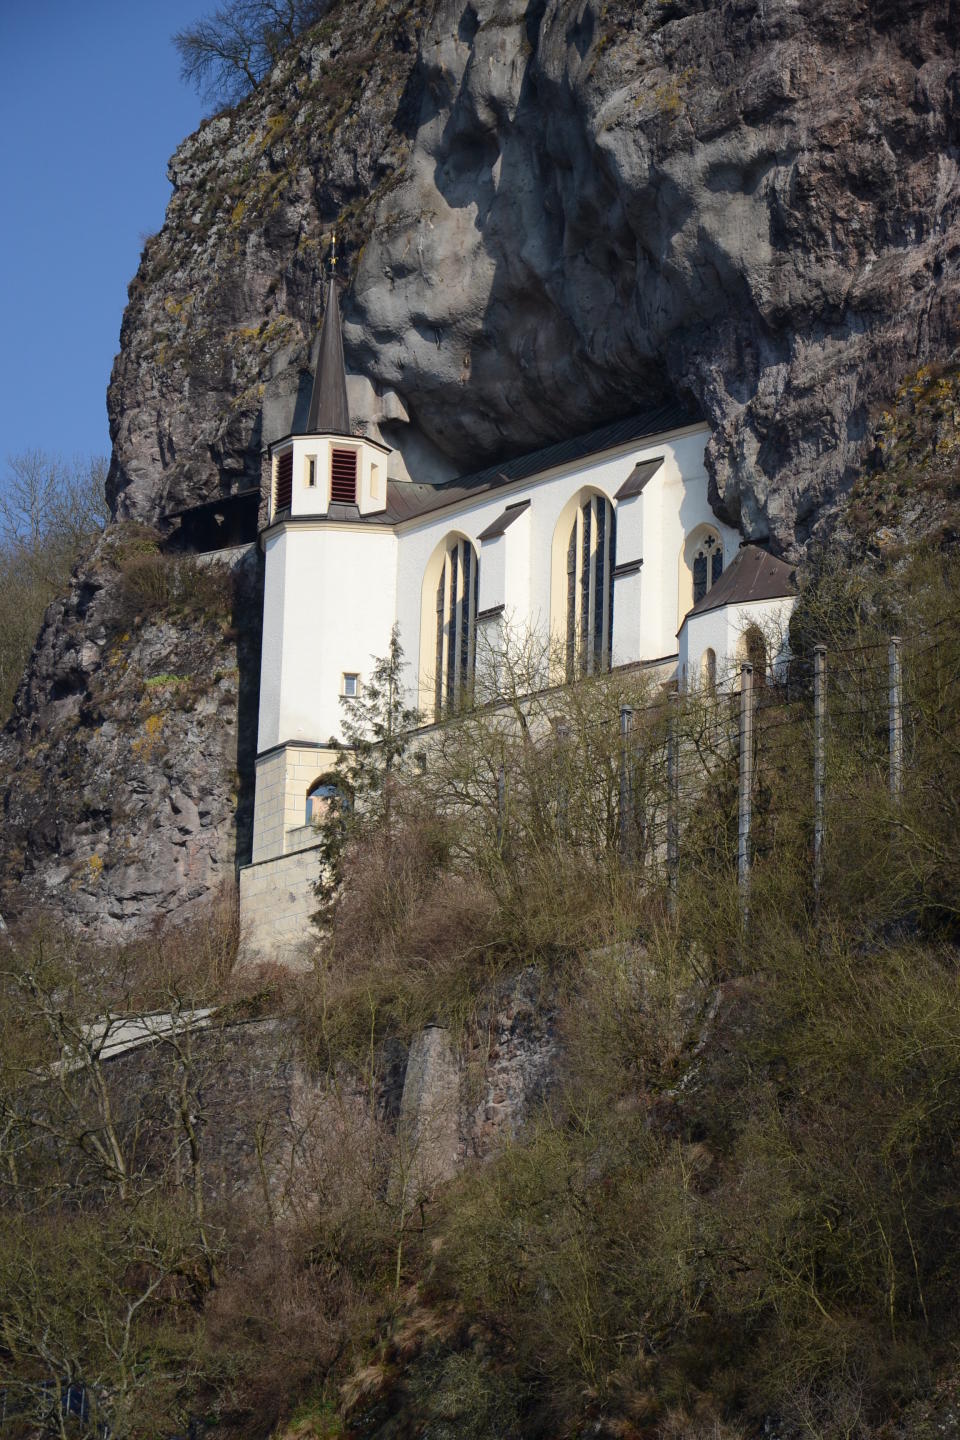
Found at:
[276, 902]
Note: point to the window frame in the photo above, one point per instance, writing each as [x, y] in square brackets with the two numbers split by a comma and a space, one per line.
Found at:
[591, 559]
[455, 634]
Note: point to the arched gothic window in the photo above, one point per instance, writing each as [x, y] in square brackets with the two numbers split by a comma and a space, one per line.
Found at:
[323, 795]
[707, 564]
[456, 628]
[708, 670]
[753, 649]
[591, 556]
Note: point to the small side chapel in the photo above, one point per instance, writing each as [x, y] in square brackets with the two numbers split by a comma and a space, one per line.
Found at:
[605, 545]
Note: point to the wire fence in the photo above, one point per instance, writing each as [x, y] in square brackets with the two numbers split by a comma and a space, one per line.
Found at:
[778, 768]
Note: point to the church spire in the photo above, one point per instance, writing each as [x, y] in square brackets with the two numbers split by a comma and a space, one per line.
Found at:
[329, 412]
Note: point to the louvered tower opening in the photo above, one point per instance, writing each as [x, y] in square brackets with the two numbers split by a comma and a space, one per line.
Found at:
[343, 477]
[283, 488]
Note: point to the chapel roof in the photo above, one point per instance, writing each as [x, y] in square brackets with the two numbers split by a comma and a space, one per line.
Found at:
[408, 500]
[411, 500]
[754, 574]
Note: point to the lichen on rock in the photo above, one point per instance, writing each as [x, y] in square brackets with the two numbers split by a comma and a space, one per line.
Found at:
[127, 765]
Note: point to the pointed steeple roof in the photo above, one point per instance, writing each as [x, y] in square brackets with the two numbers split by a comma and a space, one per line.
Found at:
[329, 412]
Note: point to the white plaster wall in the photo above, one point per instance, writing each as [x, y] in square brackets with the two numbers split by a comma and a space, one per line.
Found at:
[315, 499]
[673, 503]
[271, 661]
[627, 612]
[699, 633]
[516, 596]
[722, 630]
[329, 604]
[493, 571]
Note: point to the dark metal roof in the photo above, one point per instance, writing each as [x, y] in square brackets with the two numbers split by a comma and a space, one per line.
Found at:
[407, 500]
[329, 412]
[504, 521]
[636, 481]
[754, 574]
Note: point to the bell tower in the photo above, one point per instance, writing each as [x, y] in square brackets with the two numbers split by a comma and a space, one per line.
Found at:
[329, 601]
[327, 466]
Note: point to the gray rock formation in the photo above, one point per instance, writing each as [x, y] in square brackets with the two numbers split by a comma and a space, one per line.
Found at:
[126, 773]
[427, 1127]
[465, 1104]
[555, 212]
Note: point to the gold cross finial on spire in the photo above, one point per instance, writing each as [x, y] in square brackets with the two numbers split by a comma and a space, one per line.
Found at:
[333, 253]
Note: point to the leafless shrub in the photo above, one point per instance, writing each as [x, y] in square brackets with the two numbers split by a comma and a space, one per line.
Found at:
[154, 583]
[226, 54]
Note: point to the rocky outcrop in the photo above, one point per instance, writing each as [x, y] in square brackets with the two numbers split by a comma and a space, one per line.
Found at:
[554, 212]
[550, 213]
[126, 773]
[465, 1103]
[269, 1119]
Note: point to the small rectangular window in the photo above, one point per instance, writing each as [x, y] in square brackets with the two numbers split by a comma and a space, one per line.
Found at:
[351, 685]
[311, 471]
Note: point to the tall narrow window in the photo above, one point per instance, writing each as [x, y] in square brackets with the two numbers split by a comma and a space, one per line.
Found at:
[591, 556]
[707, 565]
[753, 649]
[456, 635]
[571, 602]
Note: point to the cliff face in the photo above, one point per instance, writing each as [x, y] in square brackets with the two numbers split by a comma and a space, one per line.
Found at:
[127, 767]
[552, 213]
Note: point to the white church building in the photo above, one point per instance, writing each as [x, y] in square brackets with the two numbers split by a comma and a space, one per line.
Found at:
[604, 545]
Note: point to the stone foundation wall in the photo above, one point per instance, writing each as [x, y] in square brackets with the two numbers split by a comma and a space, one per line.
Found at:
[283, 778]
[276, 902]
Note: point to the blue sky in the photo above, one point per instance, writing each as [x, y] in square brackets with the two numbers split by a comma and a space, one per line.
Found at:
[91, 108]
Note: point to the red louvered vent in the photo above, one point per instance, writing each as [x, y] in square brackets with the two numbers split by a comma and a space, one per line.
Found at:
[283, 495]
[343, 477]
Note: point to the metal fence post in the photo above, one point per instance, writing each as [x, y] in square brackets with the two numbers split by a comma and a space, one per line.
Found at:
[896, 721]
[501, 808]
[673, 806]
[746, 788]
[626, 724]
[819, 762]
[563, 734]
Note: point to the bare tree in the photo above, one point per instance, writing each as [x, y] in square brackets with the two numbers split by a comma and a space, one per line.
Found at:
[227, 54]
[48, 504]
[49, 509]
